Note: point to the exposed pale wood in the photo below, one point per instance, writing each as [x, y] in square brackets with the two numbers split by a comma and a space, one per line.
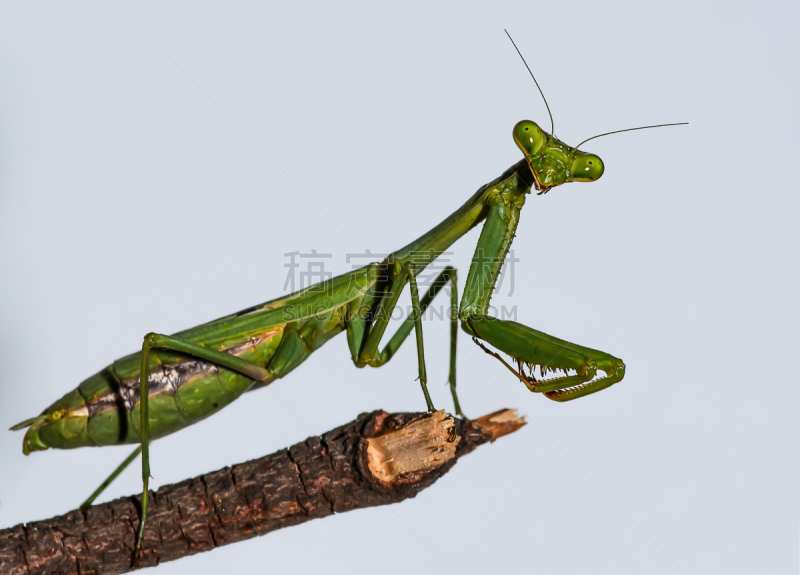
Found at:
[422, 445]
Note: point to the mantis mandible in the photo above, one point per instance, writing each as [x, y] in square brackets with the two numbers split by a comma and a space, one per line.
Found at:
[177, 380]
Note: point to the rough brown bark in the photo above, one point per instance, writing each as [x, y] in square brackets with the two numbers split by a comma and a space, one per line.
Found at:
[375, 460]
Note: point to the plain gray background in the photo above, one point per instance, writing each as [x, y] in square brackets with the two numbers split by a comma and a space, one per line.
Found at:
[158, 159]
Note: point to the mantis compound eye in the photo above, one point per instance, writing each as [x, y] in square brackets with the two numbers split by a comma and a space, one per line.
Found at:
[586, 167]
[529, 137]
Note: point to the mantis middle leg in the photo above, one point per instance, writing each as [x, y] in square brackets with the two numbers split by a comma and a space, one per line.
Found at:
[369, 353]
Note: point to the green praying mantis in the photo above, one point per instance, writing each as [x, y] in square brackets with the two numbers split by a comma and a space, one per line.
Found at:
[177, 380]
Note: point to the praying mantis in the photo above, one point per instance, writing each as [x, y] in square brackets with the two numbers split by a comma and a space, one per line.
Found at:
[177, 380]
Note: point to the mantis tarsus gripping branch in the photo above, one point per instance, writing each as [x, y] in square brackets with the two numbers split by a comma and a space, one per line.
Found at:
[175, 381]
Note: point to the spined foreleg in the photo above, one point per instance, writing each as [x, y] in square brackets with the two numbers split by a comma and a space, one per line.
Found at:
[534, 350]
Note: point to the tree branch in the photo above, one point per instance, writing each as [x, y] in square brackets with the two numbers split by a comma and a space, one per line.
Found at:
[377, 459]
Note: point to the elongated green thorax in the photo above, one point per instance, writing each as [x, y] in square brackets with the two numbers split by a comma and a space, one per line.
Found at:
[505, 202]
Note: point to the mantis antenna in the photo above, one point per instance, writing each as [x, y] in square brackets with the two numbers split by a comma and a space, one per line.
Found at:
[631, 130]
[552, 124]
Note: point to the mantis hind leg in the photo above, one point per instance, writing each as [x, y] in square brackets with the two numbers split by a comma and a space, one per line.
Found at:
[158, 341]
[110, 479]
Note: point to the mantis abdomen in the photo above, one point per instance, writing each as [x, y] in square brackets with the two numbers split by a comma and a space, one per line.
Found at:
[104, 409]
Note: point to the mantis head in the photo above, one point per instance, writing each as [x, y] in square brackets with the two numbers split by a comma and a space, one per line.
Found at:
[553, 162]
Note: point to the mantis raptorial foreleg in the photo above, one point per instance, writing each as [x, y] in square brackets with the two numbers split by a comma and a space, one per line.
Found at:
[534, 348]
[528, 347]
